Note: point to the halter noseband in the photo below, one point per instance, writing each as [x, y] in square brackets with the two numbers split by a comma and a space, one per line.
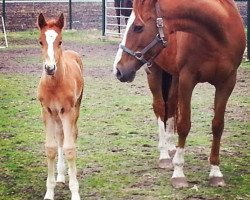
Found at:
[159, 38]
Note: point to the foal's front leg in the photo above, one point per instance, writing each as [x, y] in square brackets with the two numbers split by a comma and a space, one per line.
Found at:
[50, 149]
[69, 147]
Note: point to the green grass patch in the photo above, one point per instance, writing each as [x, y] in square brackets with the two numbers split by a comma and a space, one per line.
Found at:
[117, 143]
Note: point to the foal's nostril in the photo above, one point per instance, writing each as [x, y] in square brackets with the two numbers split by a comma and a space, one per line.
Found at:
[118, 73]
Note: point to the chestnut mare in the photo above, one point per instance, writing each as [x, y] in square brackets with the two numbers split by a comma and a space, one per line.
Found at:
[192, 42]
[60, 93]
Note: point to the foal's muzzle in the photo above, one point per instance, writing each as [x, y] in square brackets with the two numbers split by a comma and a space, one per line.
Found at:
[50, 69]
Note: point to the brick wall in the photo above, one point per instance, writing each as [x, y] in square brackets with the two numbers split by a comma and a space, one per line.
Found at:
[86, 15]
[22, 16]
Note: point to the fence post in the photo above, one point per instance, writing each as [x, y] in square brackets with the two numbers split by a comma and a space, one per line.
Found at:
[70, 15]
[248, 30]
[103, 17]
[4, 14]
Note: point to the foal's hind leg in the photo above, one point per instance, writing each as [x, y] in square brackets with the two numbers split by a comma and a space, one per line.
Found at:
[222, 93]
[69, 147]
[61, 168]
[164, 115]
[50, 148]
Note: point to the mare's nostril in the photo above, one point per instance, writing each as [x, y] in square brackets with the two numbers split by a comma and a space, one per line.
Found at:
[118, 73]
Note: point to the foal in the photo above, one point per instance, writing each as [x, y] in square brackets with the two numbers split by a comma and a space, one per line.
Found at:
[60, 93]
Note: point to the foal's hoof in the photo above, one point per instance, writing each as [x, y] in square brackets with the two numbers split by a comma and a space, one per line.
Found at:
[179, 182]
[60, 179]
[217, 182]
[165, 163]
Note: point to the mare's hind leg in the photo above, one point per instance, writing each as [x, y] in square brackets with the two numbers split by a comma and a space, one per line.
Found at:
[50, 148]
[61, 168]
[165, 116]
[222, 93]
[69, 129]
[185, 89]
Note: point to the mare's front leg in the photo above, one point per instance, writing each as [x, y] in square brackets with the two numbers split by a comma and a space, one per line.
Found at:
[222, 93]
[160, 86]
[50, 149]
[70, 133]
[185, 89]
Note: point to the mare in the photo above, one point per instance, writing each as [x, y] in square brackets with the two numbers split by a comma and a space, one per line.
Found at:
[60, 93]
[122, 7]
[185, 43]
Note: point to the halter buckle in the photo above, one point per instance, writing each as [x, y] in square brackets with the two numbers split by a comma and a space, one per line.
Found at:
[159, 22]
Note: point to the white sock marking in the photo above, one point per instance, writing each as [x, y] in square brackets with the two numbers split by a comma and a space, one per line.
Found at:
[165, 138]
[178, 162]
[215, 171]
[124, 39]
[60, 166]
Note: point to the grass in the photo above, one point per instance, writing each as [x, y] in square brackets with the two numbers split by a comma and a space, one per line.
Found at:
[117, 145]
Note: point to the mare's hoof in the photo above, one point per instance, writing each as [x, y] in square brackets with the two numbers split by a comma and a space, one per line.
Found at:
[179, 182]
[217, 182]
[165, 164]
[172, 153]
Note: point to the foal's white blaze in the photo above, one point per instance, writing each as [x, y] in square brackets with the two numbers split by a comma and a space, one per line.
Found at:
[215, 171]
[178, 162]
[165, 138]
[50, 38]
[124, 39]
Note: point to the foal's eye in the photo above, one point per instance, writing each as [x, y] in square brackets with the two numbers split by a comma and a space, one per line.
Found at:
[40, 42]
[60, 42]
[138, 29]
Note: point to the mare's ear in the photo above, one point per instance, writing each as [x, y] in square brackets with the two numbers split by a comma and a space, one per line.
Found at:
[60, 22]
[41, 21]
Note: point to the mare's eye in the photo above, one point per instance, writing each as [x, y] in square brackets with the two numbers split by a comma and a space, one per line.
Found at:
[60, 42]
[138, 29]
[40, 42]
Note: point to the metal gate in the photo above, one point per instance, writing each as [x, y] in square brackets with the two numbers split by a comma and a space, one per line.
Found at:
[113, 14]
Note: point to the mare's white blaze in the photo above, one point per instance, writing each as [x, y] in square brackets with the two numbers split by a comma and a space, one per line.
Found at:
[215, 171]
[178, 162]
[124, 39]
[165, 138]
[50, 38]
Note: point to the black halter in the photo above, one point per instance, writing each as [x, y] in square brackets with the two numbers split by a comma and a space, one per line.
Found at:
[159, 39]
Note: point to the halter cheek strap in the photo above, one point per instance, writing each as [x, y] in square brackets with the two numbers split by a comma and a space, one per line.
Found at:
[159, 38]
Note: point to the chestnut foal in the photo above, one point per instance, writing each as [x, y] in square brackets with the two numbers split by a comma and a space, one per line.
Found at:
[60, 93]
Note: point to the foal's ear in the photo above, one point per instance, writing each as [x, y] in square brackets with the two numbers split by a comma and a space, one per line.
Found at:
[41, 21]
[60, 21]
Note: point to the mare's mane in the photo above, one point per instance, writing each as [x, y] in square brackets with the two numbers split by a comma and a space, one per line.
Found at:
[188, 18]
